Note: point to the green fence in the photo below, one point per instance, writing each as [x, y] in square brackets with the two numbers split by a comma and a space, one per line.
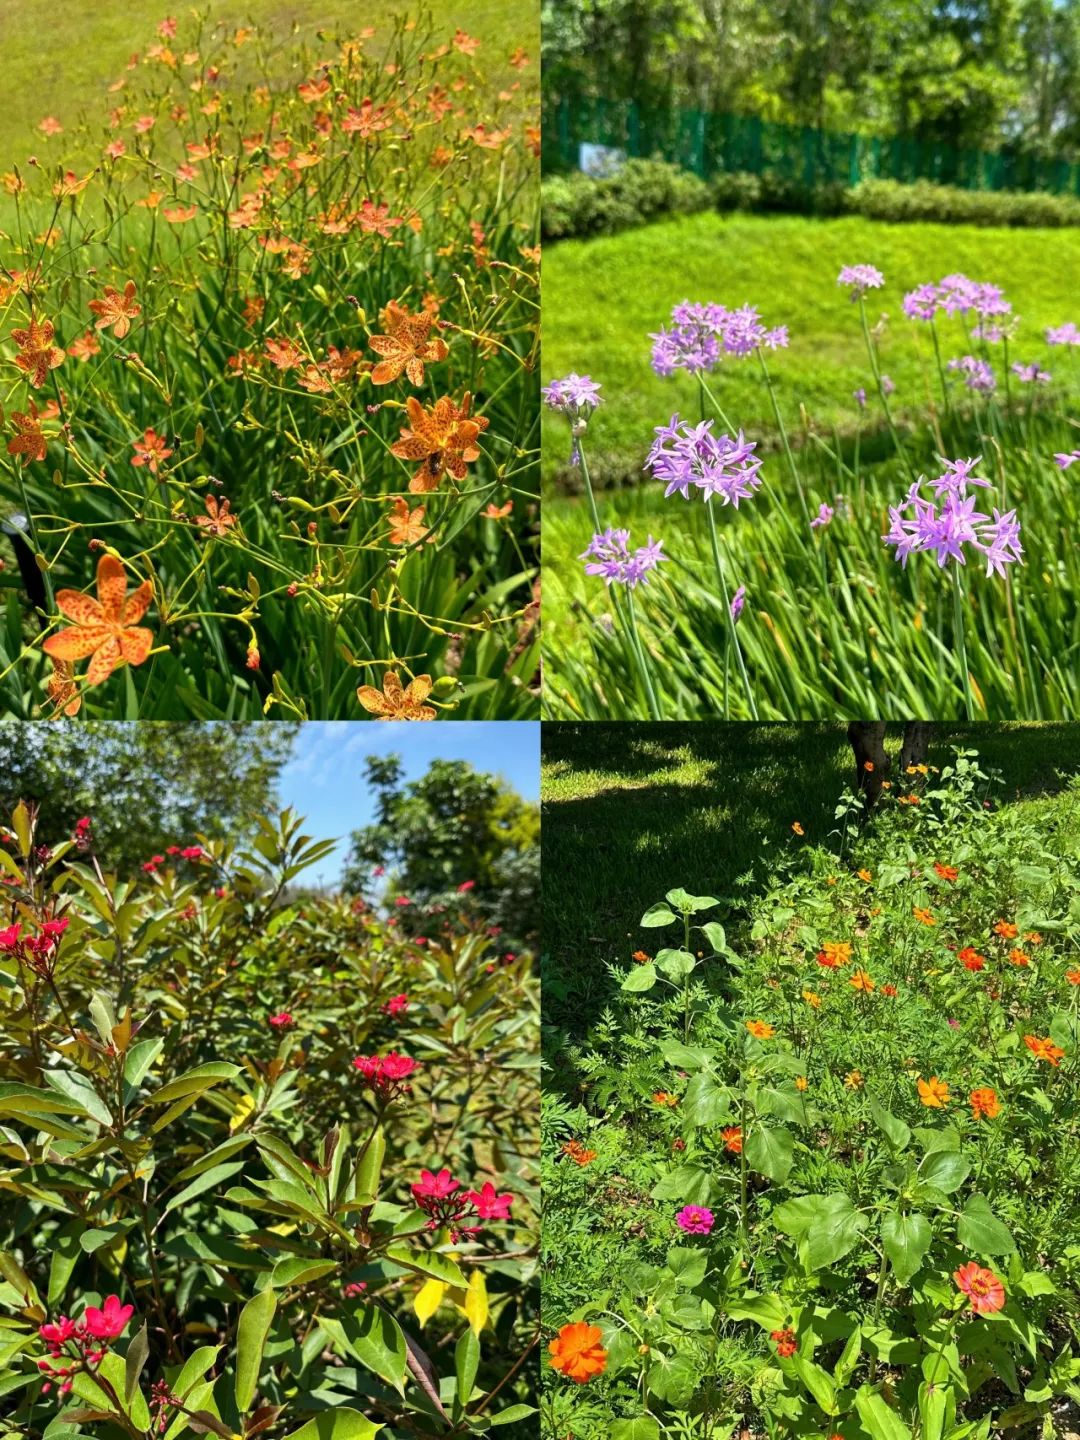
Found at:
[707, 143]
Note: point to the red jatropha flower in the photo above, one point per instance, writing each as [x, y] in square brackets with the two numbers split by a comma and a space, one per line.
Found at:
[192, 852]
[387, 1075]
[396, 1005]
[465, 886]
[970, 958]
[489, 1204]
[39, 951]
[786, 1344]
[444, 1203]
[9, 938]
[982, 1287]
[281, 1021]
[82, 834]
[110, 1322]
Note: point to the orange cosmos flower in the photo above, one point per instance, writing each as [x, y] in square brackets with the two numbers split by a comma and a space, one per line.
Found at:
[1073, 977]
[861, 981]
[150, 451]
[868, 766]
[577, 1352]
[865, 876]
[443, 437]
[1017, 957]
[924, 917]
[103, 627]
[801, 1082]
[396, 702]
[970, 958]
[407, 347]
[812, 998]
[1033, 937]
[933, 1093]
[1044, 1049]
[947, 872]
[888, 990]
[641, 957]
[1006, 930]
[760, 1029]
[834, 953]
[37, 353]
[732, 1138]
[577, 1152]
[798, 828]
[984, 1103]
[217, 520]
[117, 309]
[853, 1080]
[982, 1287]
[661, 1097]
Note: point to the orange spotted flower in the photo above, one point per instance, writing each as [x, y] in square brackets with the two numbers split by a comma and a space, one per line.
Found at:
[398, 702]
[984, 1103]
[577, 1352]
[834, 953]
[28, 441]
[760, 1029]
[116, 308]
[218, 519]
[442, 437]
[408, 346]
[37, 353]
[1043, 1048]
[1006, 930]
[982, 1287]
[406, 526]
[62, 689]
[732, 1137]
[861, 981]
[933, 1093]
[105, 627]
[150, 451]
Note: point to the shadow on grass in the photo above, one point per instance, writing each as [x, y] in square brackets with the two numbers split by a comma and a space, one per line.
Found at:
[630, 811]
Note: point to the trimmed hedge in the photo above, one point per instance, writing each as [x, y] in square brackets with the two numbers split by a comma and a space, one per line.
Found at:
[643, 190]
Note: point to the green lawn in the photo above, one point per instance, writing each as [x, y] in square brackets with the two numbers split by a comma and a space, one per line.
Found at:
[58, 61]
[603, 297]
[631, 811]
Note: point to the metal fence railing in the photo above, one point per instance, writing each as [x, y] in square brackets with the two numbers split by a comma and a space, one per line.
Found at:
[707, 143]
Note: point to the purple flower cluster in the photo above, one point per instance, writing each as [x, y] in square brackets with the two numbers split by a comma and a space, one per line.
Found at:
[822, 518]
[1063, 461]
[948, 522]
[1067, 334]
[860, 279]
[683, 455]
[573, 395]
[738, 600]
[978, 375]
[609, 555]
[702, 334]
[1031, 374]
[956, 295]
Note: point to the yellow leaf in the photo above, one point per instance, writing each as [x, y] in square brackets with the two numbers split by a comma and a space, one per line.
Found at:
[476, 1302]
[244, 1106]
[428, 1299]
[121, 1034]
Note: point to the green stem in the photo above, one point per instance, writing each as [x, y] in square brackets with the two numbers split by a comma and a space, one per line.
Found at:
[961, 644]
[733, 639]
[646, 677]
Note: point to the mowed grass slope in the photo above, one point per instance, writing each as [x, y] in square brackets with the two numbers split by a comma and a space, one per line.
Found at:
[631, 811]
[602, 298]
[60, 59]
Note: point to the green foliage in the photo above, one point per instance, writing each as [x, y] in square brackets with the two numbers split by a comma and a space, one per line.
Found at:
[184, 1131]
[145, 787]
[848, 1190]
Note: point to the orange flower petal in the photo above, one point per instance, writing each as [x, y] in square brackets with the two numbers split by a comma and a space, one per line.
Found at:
[75, 644]
[106, 658]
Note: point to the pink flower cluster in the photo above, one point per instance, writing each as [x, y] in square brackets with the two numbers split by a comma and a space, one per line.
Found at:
[443, 1201]
[82, 1343]
[37, 951]
[387, 1075]
[175, 852]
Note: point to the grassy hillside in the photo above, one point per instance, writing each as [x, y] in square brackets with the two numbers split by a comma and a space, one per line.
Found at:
[60, 69]
[603, 297]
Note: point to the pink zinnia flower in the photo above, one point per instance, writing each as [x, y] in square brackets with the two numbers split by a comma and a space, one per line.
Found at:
[694, 1220]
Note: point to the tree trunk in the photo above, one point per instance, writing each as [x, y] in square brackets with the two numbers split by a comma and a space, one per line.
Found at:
[871, 763]
[916, 742]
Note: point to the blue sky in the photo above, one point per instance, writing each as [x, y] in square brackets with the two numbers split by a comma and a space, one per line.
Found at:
[325, 780]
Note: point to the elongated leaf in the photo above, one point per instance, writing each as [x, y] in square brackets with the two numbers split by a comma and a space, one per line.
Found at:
[340, 1424]
[255, 1321]
[466, 1364]
[194, 1082]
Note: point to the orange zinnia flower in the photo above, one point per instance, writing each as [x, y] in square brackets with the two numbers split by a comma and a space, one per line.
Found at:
[760, 1029]
[443, 437]
[982, 1287]
[933, 1093]
[37, 353]
[732, 1138]
[151, 450]
[407, 346]
[578, 1153]
[1006, 930]
[117, 309]
[577, 1352]
[103, 627]
[984, 1103]
[1044, 1049]
[785, 1341]
[395, 702]
[924, 917]
[861, 981]
[406, 526]
[834, 953]
[947, 872]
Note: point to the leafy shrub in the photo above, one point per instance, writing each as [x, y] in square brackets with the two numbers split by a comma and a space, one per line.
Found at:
[642, 190]
[833, 1130]
[948, 205]
[255, 1142]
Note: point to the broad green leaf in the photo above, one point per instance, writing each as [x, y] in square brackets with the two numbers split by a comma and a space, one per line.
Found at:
[676, 964]
[673, 1378]
[430, 1263]
[641, 977]
[208, 1180]
[833, 1232]
[895, 1131]
[946, 1170]
[466, 1364]
[706, 1101]
[300, 1270]
[375, 1339]
[770, 1151]
[906, 1239]
[817, 1381]
[134, 1360]
[369, 1173]
[688, 1266]
[657, 915]
[979, 1229]
[641, 1427]
[690, 1183]
[878, 1418]
[512, 1414]
[795, 1216]
[255, 1320]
